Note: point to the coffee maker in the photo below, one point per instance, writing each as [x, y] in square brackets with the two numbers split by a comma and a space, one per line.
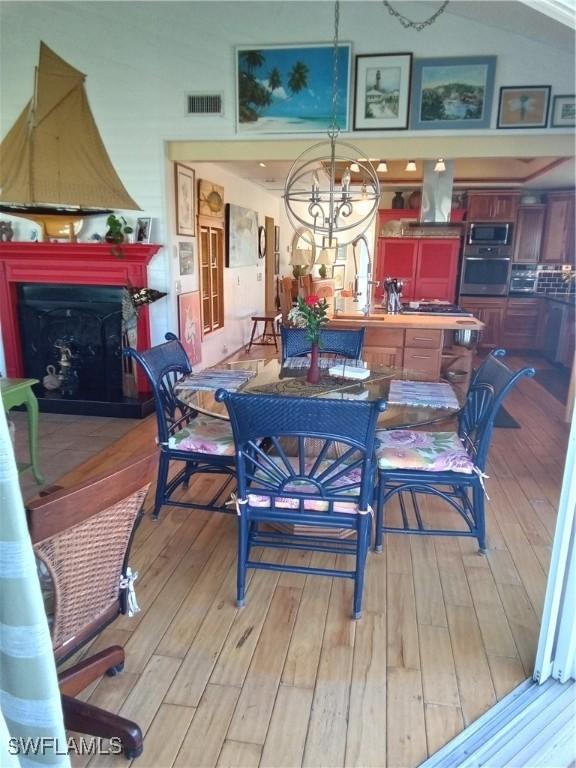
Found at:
[392, 302]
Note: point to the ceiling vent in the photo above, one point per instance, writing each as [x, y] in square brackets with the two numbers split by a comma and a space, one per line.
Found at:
[204, 103]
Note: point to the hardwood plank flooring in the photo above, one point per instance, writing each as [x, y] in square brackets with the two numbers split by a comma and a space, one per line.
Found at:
[290, 679]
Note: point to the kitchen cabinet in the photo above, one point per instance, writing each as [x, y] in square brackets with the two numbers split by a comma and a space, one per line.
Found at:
[565, 352]
[496, 206]
[521, 323]
[529, 231]
[428, 267]
[558, 242]
[491, 312]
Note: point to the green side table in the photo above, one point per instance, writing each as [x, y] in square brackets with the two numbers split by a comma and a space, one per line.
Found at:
[19, 392]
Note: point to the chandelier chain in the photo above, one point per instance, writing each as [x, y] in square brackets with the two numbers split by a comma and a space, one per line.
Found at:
[417, 25]
[334, 130]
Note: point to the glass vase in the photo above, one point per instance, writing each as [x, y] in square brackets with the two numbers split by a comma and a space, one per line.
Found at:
[313, 375]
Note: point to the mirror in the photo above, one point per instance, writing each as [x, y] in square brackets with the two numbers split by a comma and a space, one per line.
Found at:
[303, 251]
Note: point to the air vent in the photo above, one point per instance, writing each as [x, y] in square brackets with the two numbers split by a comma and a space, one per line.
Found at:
[204, 103]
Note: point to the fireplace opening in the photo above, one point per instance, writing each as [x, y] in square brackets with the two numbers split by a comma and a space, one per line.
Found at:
[72, 338]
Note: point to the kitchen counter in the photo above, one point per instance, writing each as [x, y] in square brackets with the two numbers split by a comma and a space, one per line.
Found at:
[379, 318]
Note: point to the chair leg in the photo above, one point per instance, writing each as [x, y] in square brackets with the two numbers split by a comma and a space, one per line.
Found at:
[73, 680]
[379, 514]
[163, 466]
[478, 502]
[254, 325]
[242, 558]
[86, 718]
[361, 552]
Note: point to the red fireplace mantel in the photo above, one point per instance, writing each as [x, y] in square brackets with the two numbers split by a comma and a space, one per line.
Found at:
[76, 263]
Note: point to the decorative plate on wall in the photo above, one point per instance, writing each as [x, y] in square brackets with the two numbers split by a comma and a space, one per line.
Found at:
[210, 199]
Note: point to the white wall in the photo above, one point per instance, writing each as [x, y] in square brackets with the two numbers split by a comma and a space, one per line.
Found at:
[142, 58]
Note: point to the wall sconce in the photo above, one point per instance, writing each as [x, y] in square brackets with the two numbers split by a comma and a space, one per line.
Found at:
[410, 166]
[440, 165]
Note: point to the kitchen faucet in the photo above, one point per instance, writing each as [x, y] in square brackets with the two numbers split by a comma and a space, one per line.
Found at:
[356, 292]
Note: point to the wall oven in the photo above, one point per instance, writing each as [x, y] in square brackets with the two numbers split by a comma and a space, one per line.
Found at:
[485, 271]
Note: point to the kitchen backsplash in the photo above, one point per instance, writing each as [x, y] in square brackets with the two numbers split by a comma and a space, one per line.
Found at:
[553, 279]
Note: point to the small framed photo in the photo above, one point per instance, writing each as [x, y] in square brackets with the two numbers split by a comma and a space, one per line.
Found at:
[276, 239]
[523, 106]
[338, 275]
[186, 257]
[143, 228]
[341, 253]
[185, 201]
[454, 93]
[563, 111]
[382, 92]
[190, 325]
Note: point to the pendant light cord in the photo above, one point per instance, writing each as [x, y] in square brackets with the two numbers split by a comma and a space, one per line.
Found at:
[417, 25]
[334, 129]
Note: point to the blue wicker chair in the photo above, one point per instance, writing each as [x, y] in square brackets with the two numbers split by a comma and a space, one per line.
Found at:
[203, 443]
[445, 465]
[343, 343]
[304, 497]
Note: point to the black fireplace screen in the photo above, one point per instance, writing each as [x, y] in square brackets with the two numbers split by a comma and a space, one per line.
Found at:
[77, 329]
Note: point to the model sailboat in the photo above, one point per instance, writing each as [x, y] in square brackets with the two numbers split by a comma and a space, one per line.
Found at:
[54, 167]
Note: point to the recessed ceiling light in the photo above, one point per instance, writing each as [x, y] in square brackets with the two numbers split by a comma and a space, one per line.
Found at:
[382, 167]
[410, 166]
[262, 165]
[440, 165]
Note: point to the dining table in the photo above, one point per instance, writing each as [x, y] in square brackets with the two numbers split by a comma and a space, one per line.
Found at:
[421, 401]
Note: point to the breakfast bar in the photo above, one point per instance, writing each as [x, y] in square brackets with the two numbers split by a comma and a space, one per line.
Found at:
[435, 344]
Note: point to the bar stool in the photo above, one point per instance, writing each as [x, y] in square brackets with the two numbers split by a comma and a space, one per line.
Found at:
[269, 335]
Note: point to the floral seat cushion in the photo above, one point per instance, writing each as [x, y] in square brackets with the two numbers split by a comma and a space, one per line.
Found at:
[301, 486]
[423, 451]
[204, 434]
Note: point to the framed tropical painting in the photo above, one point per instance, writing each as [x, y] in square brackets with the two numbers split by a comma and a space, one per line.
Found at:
[523, 106]
[382, 91]
[288, 88]
[454, 93]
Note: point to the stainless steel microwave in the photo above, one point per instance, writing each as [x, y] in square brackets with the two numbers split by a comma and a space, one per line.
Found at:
[489, 233]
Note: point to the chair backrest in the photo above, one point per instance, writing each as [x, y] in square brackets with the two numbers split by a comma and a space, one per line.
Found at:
[486, 366]
[285, 296]
[342, 468]
[81, 536]
[305, 285]
[485, 396]
[343, 342]
[163, 366]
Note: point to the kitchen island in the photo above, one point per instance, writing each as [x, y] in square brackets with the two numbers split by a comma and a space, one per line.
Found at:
[425, 343]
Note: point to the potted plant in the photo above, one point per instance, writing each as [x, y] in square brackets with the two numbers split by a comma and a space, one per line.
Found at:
[117, 229]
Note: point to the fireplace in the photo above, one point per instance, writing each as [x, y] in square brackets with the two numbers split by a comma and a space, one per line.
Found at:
[65, 299]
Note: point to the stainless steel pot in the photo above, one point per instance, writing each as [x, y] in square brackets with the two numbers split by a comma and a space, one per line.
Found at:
[466, 337]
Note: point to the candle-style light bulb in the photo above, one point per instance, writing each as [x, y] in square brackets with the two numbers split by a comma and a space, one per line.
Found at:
[346, 180]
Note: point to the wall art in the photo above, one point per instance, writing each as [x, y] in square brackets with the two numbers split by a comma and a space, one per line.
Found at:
[454, 93]
[523, 106]
[382, 91]
[563, 111]
[190, 325]
[143, 229]
[242, 236]
[185, 201]
[288, 88]
[186, 257]
[210, 199]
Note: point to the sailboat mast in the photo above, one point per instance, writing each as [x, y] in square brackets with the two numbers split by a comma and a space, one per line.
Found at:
[31, 126]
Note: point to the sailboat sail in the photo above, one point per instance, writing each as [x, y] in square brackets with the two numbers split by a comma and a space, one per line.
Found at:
[53, 155]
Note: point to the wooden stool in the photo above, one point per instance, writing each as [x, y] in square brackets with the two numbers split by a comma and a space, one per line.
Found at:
[16, 392]
[269, 335]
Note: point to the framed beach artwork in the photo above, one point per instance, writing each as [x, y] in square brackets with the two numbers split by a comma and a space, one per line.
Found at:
[241, 236]
[288, 88]
[186, 257]
[454, 93]
[185, 201]
[563, 111]
[190, 325]
[523, 106]
[382, 91]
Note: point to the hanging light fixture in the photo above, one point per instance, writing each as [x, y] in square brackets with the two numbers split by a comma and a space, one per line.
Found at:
[440, 165]
[410, 166]
[313, 195]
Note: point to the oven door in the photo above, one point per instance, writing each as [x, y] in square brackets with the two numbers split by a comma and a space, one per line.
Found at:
[485, 276]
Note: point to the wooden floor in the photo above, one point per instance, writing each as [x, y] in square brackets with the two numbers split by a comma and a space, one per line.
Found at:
[290, 679]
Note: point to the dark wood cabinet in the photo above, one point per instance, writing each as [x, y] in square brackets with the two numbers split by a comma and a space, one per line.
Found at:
[427, 266]
[491, 312]
[521, 323]
[529, 232]
[490, 205]
[558, 242]
[567, 339]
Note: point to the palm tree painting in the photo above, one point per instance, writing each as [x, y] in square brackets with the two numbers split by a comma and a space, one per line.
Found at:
[290, 88]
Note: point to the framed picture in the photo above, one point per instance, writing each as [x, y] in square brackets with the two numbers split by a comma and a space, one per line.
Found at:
[341, 253]
[143, 228]
[382, 91]
[288, 88]
[190, 325]
[563, 111]
[242, 236]
[210, 199]
[338, 275]
[455, 93]
[185, 201]
[186, 257]
[276, 239]
[523, 106]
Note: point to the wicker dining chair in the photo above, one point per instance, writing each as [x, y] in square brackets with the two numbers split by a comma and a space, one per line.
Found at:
[343, 342]
[82, 537]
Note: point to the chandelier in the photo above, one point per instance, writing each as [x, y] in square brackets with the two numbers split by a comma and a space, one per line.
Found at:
[318, 193]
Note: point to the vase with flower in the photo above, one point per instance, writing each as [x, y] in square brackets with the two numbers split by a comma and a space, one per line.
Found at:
[311, 313]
